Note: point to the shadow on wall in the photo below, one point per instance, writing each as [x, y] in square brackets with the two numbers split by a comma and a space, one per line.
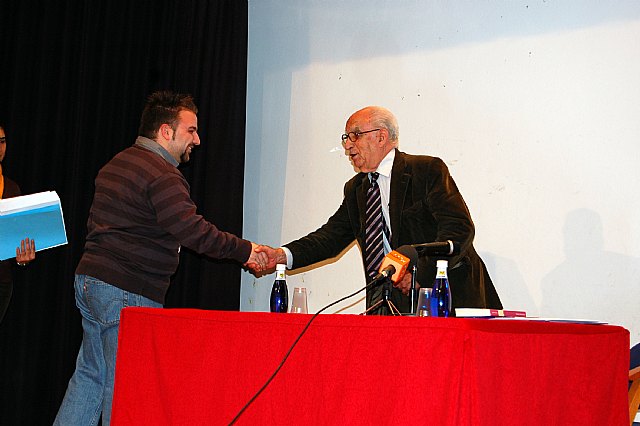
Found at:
[329, 26]
[514, 293]
[592, 283]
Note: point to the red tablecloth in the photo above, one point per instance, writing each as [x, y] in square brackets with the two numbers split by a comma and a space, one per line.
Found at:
[193, 367]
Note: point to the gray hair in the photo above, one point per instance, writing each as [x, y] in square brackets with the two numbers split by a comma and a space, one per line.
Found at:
[384, 119]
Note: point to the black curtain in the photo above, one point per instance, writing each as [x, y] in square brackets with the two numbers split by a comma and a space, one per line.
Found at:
[73, 80]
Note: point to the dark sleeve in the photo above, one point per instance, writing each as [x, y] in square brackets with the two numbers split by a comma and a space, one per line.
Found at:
[11, 189]
[447, 206]
[435, 210]
[176, 213]
[326, 242]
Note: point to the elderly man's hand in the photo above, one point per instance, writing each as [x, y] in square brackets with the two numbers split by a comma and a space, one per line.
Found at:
[404, 285]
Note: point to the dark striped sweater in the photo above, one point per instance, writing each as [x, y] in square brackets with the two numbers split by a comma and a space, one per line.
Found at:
[141, 214]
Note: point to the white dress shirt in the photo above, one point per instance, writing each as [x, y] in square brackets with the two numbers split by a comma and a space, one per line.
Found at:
[384, 183]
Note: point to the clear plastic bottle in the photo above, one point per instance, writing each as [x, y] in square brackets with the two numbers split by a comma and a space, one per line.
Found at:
[279, 301]
[441, 297]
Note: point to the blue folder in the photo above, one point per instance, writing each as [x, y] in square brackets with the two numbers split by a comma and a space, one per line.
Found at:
[37, 216]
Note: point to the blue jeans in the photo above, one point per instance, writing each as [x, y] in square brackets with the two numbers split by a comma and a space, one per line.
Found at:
[90, 390]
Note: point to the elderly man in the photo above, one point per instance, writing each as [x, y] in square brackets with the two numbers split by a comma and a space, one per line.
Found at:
[420, 203]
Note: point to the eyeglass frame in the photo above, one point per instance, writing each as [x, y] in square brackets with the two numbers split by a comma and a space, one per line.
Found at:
[3, 139]
[356, 135]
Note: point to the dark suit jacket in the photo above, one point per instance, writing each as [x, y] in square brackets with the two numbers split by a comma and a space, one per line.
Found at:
[425, 206]
[11, 189]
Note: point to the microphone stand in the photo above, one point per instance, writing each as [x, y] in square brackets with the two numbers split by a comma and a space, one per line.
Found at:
[386, 292]
[412, 292]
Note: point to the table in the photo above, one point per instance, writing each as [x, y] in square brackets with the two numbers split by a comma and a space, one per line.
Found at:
[196, 367]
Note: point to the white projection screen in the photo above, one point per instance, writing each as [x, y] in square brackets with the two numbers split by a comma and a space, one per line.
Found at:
[533, 105]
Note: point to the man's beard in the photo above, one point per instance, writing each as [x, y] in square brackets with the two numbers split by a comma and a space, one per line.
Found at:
[185, 156]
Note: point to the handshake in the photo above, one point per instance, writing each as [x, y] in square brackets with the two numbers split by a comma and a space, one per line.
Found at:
[264, 258]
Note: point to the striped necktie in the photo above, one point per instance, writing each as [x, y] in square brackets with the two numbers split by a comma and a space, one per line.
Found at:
[374, 226]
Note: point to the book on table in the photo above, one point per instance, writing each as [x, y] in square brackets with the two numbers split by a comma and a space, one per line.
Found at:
[34, 216]
[510, 314]
[488, 313]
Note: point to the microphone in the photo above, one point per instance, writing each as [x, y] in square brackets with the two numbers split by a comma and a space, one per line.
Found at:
[396, 263]
[443, 248]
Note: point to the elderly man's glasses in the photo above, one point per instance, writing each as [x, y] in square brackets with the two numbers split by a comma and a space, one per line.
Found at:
[353, 136]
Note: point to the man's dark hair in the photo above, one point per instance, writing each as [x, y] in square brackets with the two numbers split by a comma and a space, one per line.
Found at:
[163, 107]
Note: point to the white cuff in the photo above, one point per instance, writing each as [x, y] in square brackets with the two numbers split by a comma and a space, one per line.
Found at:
[287, 252]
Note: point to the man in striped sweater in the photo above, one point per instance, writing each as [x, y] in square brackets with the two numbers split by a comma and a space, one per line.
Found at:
[141, 215]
